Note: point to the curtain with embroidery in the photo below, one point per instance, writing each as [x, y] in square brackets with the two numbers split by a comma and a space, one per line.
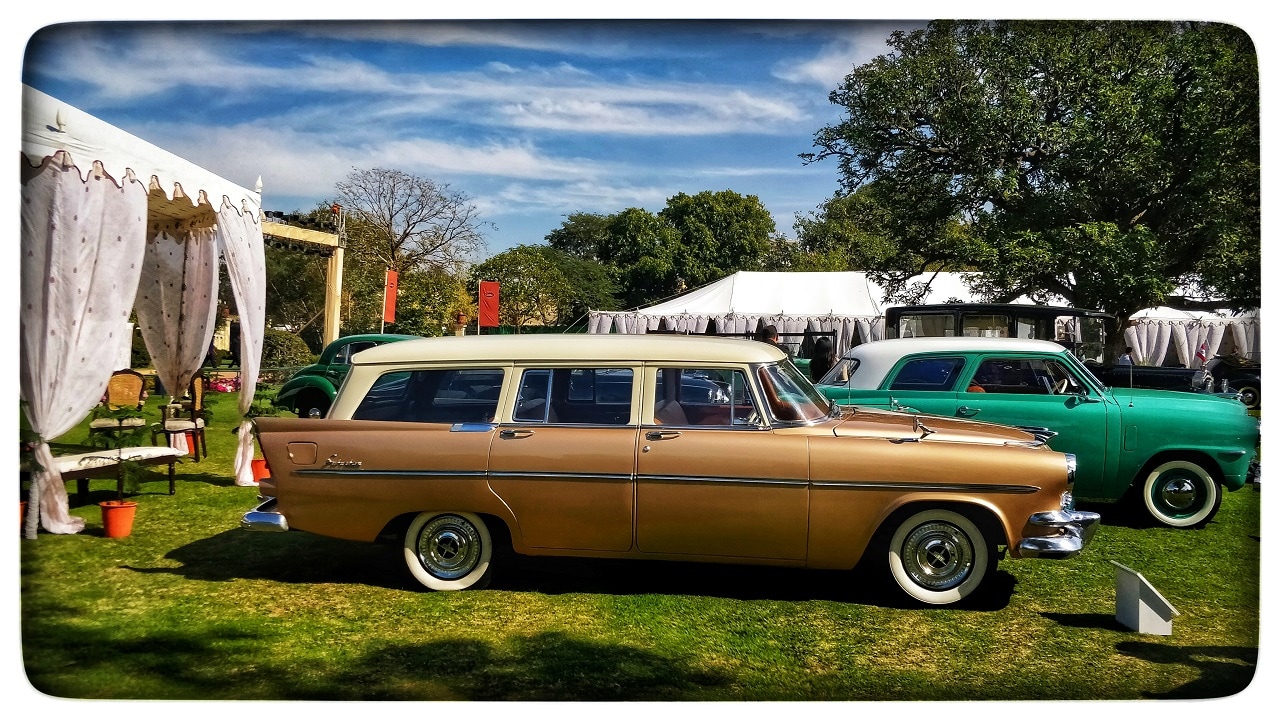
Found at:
[81, 244]
[240, 240]
[177, 297]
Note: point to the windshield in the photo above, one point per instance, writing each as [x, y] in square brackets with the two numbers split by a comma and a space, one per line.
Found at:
[840, 373]
[790, 395]
[1084, 372]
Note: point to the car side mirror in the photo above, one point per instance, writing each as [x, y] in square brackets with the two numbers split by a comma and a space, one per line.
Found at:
[1083, 398]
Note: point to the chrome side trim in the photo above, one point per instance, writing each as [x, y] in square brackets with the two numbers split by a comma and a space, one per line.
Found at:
[724, 480]
[472, 427]
[410, 473]
[264, 518]
[932, 487]
[559, 476]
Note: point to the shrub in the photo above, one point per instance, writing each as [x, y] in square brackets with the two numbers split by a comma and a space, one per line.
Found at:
[282, 349]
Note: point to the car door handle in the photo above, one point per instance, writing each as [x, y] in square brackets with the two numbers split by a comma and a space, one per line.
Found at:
[661, 434]
[512, 434]
[966, 411]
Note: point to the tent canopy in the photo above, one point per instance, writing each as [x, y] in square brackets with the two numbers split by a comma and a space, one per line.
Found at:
[778, 293]
[100, 238]
[50, 125]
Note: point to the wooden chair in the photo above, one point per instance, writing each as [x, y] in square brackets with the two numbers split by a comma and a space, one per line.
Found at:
[126, 390]
[186, 416]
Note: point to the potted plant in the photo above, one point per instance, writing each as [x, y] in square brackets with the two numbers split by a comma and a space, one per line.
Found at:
[118, 514]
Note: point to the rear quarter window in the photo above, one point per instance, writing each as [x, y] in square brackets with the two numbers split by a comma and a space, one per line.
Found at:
[932, 373]
[433, 396]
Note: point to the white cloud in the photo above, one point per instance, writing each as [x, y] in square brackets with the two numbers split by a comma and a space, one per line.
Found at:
[839, 57]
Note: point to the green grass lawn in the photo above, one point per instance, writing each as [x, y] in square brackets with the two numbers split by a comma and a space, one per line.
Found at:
[191, 607]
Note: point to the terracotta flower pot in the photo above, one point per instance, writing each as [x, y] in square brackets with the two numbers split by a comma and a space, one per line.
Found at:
[117, 517]
[191, 442]
[260, 470]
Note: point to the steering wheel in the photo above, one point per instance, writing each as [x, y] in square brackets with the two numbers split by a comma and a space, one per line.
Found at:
[1061, 387]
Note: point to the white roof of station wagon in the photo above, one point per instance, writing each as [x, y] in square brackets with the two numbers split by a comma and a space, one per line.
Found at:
[875, 359]
[567, 347]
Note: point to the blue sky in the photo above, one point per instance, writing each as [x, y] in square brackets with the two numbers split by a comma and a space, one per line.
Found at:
[533, 120]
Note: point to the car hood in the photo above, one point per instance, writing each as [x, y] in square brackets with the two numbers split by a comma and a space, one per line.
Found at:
[1184, 401]
[871, 423]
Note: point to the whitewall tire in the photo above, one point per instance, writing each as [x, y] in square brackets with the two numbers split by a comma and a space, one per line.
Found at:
[449, 551]
[938, 556]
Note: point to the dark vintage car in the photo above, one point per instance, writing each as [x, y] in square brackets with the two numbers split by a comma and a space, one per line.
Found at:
[311, 390]
[662, 448]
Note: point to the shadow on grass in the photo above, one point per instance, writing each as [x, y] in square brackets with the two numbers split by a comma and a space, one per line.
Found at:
[305, 558]
[223, 662]
[1223, 670]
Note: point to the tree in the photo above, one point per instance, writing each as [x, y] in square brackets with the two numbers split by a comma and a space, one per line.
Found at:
[581, 235]
[401, 221]
[720, 233]
[531, 286]
[1106, 162]
[641, 248]
[429, 302]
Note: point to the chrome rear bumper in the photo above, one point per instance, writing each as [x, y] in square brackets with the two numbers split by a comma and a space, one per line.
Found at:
[1075, 530]
[264, 518]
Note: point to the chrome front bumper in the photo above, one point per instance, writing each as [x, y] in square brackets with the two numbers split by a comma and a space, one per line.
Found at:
[264, 518]
[1075, 530]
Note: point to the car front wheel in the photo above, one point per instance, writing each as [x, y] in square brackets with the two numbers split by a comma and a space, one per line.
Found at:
[938, 556]
[1250, 396]
[1181, 494]
[449, 551]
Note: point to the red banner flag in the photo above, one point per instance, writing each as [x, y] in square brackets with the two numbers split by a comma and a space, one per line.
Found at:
[488, 304]
[389, 297]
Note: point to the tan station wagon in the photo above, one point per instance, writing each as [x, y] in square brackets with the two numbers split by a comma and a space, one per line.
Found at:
[655, 447]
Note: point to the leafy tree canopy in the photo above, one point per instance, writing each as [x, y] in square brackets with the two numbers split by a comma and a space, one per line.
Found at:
[532, 286]
[694, 240]
[1107, 162]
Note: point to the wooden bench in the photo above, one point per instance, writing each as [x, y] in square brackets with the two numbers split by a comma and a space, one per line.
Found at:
[106, 463]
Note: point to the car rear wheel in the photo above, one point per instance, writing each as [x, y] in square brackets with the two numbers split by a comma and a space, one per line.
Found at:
[449, 551]
[1181, 494]
[938, 556]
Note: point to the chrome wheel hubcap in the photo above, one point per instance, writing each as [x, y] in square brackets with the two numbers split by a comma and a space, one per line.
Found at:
[937, 556]
[449, 547]
[1178, 493]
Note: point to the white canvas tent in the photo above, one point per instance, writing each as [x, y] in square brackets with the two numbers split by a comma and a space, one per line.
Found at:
[845, 303]
[1195, 336]
[110, 224]
[851, 305]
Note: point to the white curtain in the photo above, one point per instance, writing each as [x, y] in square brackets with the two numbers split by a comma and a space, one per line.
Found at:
[178, 298]
[82, 243]
[240, 240]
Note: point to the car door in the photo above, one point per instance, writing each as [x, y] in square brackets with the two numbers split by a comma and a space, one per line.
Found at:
[1041, 391]
[564, 461]
[712, 478]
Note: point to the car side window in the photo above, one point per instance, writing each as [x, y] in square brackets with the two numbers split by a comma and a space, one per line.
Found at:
[714, 397]
[1024, 376]
[433, 396]
[575, 396]
[343, 357]
[929, 373]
